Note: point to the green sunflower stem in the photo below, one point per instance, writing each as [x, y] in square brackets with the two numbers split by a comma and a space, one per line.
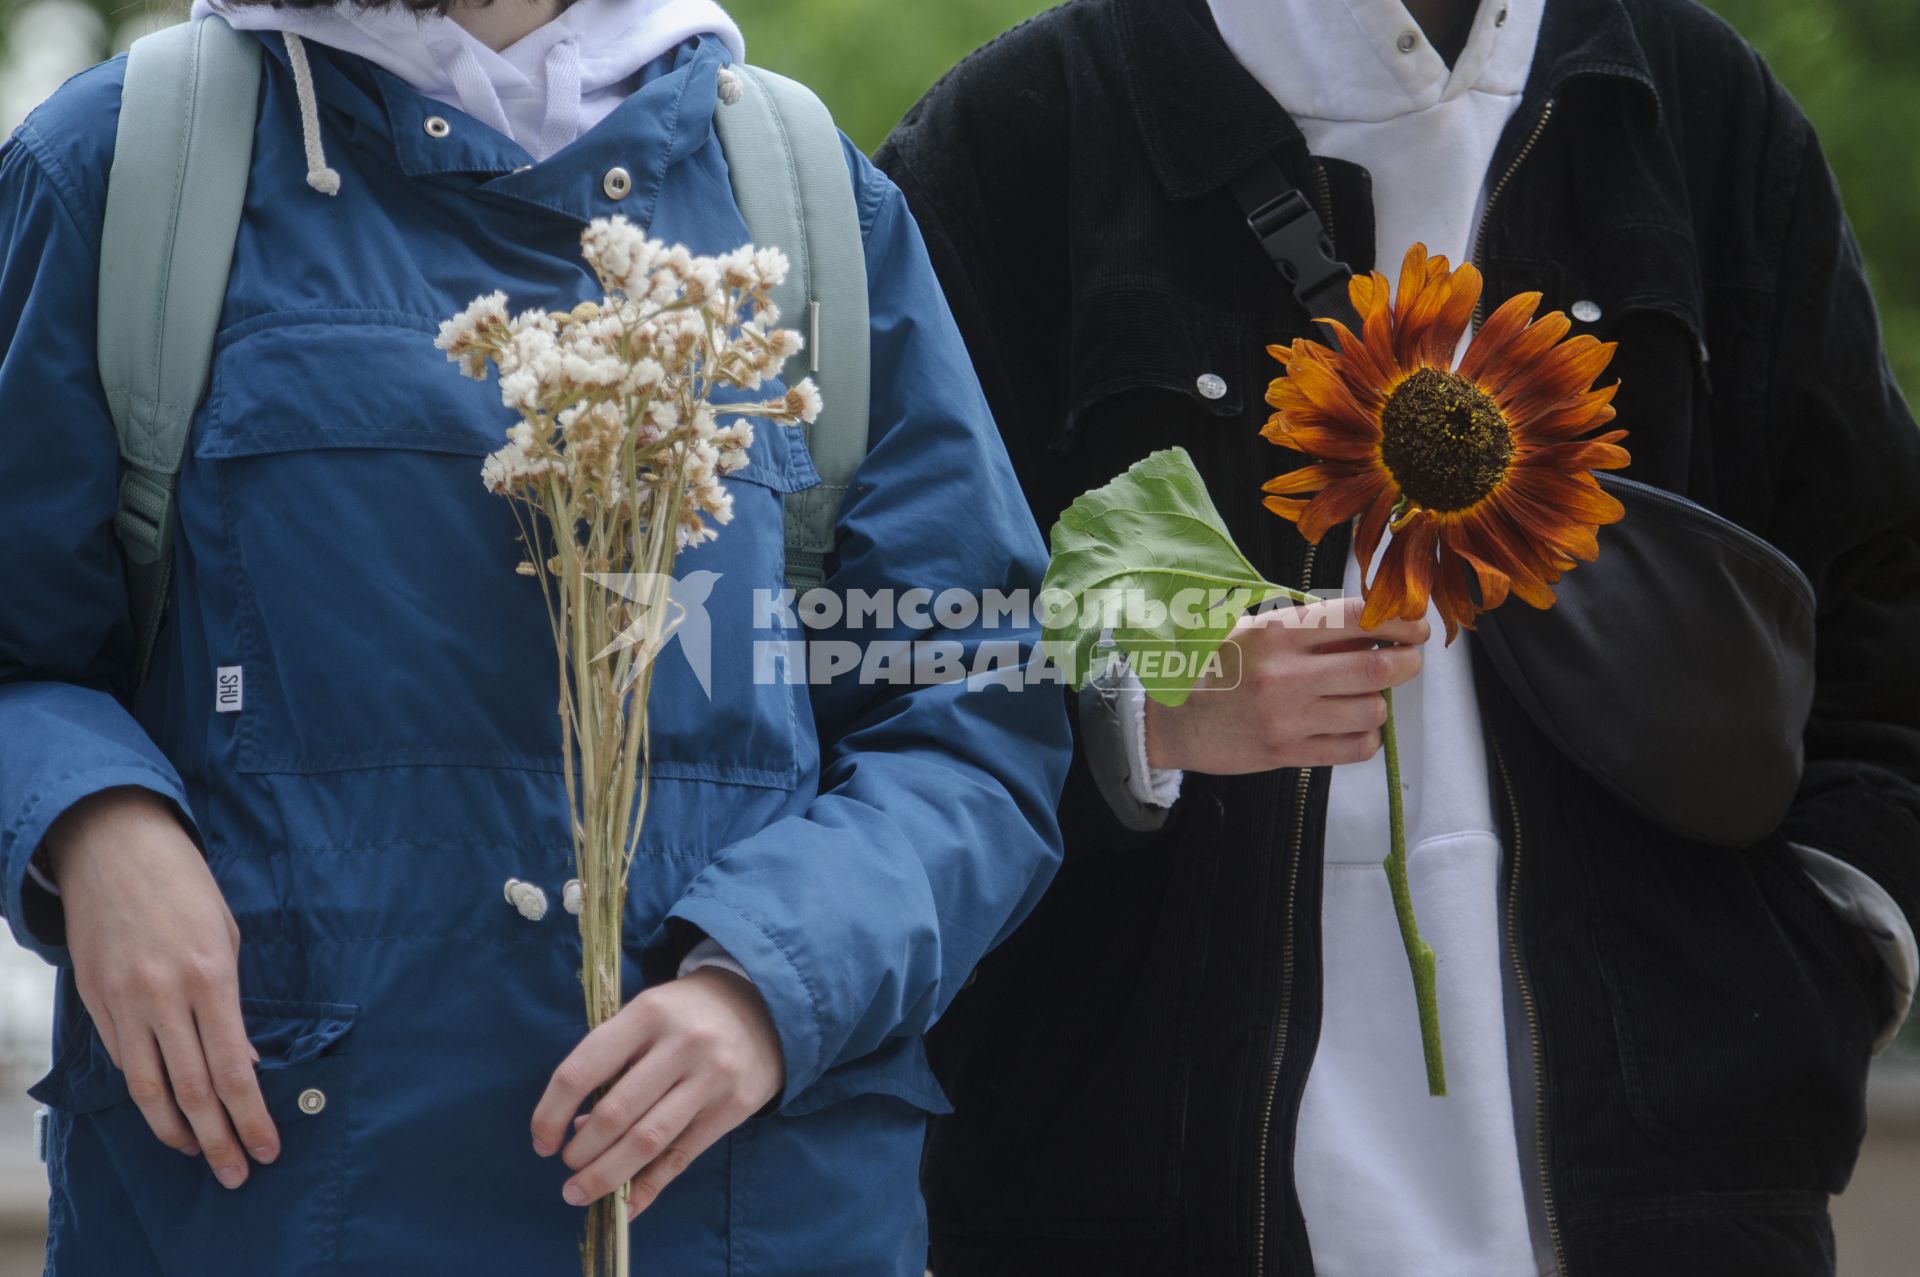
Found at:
[1419, 956]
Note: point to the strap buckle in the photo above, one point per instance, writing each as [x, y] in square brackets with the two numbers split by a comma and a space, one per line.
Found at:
[145, 516]
[1292, 235]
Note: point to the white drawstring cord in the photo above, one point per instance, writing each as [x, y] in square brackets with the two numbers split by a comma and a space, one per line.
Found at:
[319, 176]
[562, 123]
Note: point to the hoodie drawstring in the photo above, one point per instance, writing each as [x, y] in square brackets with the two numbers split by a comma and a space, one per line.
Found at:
[319, 176]
[562, 124]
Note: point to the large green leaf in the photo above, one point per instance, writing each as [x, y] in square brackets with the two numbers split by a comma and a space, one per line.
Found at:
[1149, 558]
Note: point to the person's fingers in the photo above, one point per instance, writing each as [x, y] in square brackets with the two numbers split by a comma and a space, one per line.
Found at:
[147, 1087]
[1329, 625]
[1405, 633]
[627, 1102]
[193, 1091]
[648, 1140]
[230, 1059]
[103, 1024]
[1340, 715]
[701, 1134]
[1373, 670]
[1336, 751]
[600, 1057]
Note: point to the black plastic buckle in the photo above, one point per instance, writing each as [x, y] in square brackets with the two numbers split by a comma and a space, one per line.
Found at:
[1293, 237]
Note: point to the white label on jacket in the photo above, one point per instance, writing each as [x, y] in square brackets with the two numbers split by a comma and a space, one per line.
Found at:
[227, 690]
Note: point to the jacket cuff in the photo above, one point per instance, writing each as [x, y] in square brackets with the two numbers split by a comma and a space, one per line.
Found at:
[1865, 904]
[1115, 754]
[768, 967]
[33, 911]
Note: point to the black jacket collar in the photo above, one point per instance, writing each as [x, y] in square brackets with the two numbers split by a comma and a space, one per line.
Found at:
[1200, 138]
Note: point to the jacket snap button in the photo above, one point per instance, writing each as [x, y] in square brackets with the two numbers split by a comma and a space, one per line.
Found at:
[1586, 312]
[1407, 42]
[1500, 19]
[312, 1100]
[1211, 385]
[435, 126]
[617, 184]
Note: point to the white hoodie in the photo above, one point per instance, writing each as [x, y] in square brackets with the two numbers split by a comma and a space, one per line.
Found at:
[543, 91]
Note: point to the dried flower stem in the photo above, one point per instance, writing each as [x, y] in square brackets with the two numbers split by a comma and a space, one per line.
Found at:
[613, 469]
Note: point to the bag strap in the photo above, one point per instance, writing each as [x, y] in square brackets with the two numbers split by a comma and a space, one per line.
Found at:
[1296, 242]
[180, 161]
[790, 179]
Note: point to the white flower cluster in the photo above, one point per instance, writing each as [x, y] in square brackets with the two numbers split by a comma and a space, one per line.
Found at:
[621, 401]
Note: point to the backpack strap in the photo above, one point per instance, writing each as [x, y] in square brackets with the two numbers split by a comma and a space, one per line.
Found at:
[790, 179]
[180, 162]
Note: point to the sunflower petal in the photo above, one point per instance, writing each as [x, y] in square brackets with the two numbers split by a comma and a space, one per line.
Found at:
[1403, 582]
[1506, 323]
[1341, 500]
[1294, 482]
[1451, 598]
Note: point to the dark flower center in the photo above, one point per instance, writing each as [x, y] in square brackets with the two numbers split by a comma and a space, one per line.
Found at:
[1445, 440]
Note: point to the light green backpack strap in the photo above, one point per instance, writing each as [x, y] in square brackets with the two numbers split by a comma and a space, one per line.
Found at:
[791, 182]
[174, 195]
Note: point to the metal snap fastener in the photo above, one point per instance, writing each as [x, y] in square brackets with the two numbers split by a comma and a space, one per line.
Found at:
[1586, 312]
[312, 1100]
[435, 126]
[1500, 19]
[618, 183]
[1407, 42]
[1211, 385]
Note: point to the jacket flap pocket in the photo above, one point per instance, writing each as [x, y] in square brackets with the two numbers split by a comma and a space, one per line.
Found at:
[289, 1033]
[85, 1079]
[343, 379]
[1146, 339]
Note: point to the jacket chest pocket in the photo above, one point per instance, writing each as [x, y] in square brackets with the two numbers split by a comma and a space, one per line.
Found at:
[1640, 288]
[377, 614]
[1148, 369]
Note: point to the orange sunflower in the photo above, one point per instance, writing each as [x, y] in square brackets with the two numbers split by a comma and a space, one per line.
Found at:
[1483, 472]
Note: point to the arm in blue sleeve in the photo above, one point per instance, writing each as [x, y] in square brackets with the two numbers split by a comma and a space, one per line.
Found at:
[934, 830]
[66, 642]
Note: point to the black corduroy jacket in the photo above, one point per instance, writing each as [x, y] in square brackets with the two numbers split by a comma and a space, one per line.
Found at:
[1691, 1025]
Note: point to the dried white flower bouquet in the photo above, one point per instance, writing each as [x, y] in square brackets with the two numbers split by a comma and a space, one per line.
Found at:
[613, 468]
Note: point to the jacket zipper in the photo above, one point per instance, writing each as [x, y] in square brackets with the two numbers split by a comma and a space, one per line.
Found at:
[1323, 196]
[1493, 198]
[1296, 851]
[1526, 1000]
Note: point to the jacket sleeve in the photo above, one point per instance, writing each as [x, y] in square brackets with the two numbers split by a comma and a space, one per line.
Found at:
[933, 833]
[1847, 509]
[66, 642]
[980, 202]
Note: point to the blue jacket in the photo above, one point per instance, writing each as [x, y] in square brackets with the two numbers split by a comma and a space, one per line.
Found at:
[856, 846]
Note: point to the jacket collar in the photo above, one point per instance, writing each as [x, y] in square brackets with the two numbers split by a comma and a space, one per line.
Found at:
[1204, 119]
[668, 116]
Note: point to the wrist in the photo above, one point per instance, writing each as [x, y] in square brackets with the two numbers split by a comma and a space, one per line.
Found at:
[111, 817]
[1164, 740]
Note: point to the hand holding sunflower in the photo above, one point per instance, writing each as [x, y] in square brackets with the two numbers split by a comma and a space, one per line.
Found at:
[1482, 471]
